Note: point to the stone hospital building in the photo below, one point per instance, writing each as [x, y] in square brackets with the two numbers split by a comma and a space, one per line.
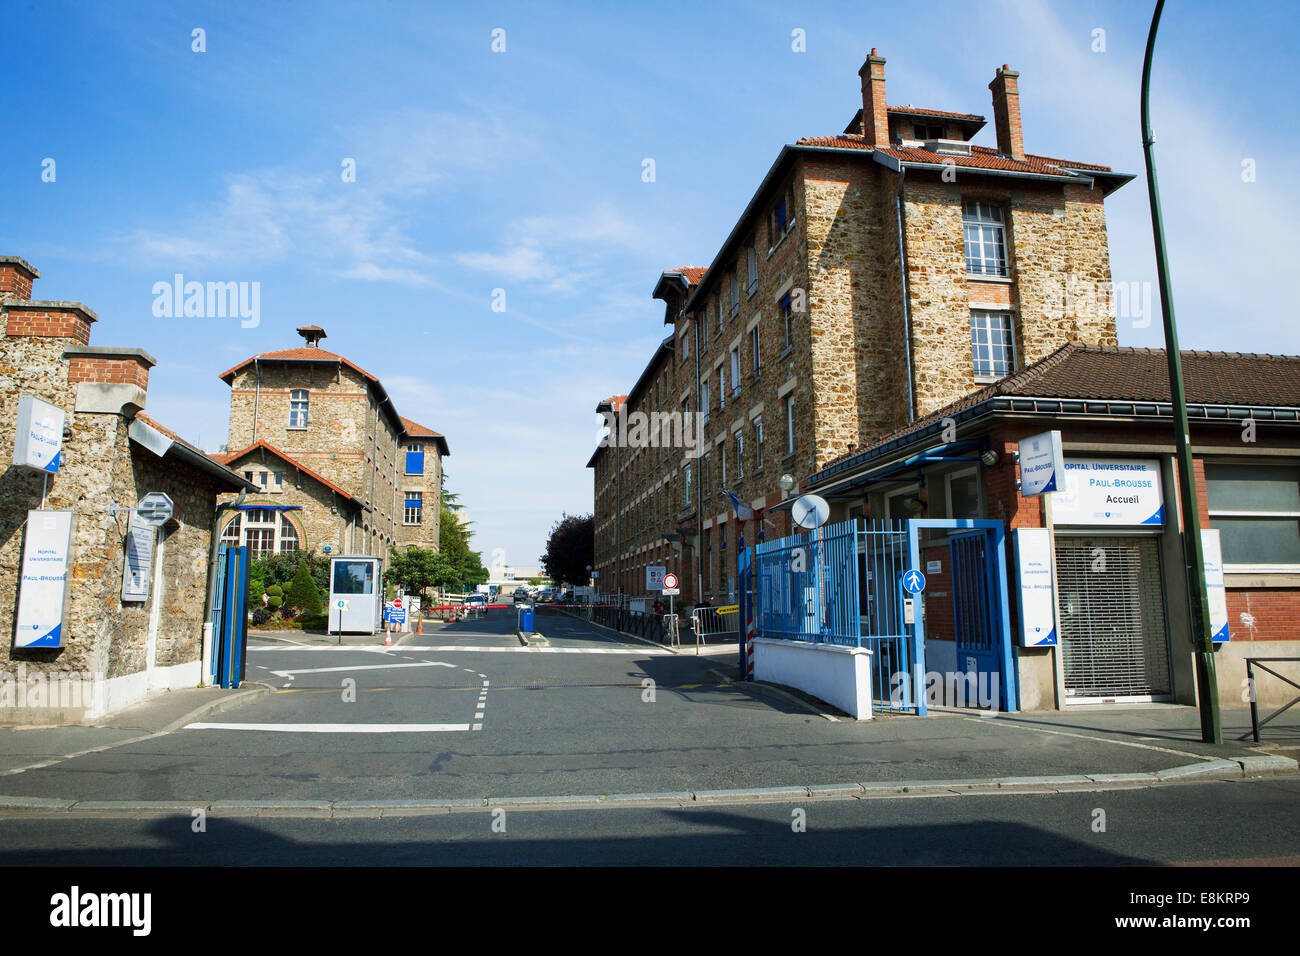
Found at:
[336, 468]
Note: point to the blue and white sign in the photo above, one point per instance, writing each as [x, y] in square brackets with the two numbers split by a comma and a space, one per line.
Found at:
[1042, 464]
[1110, 491]
[1037, 604]
[913, 581]
[394, 615]
[1215, 587]
[38, 434]
[341, 604]
[137, 567]
[43, 585]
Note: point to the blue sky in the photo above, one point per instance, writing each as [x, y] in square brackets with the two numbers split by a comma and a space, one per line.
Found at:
[521, 170]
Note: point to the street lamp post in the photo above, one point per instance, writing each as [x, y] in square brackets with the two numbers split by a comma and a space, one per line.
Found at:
[1207, 690]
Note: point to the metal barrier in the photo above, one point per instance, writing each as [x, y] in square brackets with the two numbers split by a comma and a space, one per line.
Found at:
[1251, 663]
[840, 585]
[718, 623]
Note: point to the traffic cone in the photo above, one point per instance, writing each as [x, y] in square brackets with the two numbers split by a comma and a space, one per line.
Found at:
[419, 625]
[388, 638]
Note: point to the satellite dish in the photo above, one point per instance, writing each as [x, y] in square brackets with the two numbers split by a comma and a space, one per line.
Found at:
[810, 511]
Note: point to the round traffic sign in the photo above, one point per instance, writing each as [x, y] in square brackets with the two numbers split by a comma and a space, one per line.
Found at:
[397, 602]
[913, 581]
[670, 581]
[810, 511]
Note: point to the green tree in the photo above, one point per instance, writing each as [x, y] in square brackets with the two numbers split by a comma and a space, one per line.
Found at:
[571, 549]
[303, 593]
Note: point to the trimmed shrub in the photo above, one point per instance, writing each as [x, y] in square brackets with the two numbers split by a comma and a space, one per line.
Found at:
[302, 593]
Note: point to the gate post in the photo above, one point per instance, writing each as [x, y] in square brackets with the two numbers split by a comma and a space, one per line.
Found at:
[745, 603]
[918, 627]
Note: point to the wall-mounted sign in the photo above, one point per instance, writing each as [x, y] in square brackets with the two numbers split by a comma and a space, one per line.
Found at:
[1110, 491]
[43, 585]
[1042, 464]
[1215, 587]
[1037, 604]
[654, 577]
[38, 434]
[137, 569]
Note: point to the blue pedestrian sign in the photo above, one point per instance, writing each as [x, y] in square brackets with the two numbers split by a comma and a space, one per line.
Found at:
[913, 581]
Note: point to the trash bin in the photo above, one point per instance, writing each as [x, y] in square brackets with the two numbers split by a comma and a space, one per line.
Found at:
[526, 619]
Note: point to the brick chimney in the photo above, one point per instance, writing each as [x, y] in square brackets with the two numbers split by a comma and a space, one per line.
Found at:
[875, 117]
[1006, 113]
[16, 276]
[109, 380]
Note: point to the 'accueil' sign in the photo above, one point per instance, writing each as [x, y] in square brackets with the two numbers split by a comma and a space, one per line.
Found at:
[43, 586]
[1215, 589]
[38, 434]
[1042, 464]
[1037, 602]
[1109, 491]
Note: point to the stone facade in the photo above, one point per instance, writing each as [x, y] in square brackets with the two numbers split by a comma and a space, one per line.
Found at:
[339, 448]
[866, 236]
[127, 648]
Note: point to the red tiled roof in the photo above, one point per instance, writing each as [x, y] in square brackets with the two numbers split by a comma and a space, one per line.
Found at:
[416, 430]
[1109, 372]
[693, 274]
[981, 157]
[921, 111]
[302, 353]
[236, 456]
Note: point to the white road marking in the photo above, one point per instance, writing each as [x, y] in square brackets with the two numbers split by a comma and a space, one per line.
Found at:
[334, 728]
[477, 649]
[359, 667]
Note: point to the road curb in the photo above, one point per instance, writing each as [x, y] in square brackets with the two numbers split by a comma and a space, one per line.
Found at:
[614, 630]
[1200, 772]
[248, 690]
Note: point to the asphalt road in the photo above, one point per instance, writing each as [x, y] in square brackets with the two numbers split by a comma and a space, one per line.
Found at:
[466, 712]
[1254, 823]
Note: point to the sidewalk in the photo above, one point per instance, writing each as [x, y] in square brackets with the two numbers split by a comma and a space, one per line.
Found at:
[30, 747]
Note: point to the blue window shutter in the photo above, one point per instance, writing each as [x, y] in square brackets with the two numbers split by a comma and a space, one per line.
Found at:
[414, 502]
[415, 462]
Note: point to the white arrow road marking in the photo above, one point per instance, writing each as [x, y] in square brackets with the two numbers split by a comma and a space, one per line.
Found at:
[360, 667]
[335, 728]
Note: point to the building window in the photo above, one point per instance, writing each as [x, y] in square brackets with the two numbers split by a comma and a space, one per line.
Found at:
[753, 347]
[278, 481]
[751, 255]
[721, 309]
[704, 400]
[789, 425]
[758, 444]
[1256, 508]
[415, 459]
[740, 455]
[787, 322]
[298, 408]
[734, 282]
[962, 491]
[923, 132]
[782, 219]
[686, 485]
[414, 507]
[722, 387]
[986, 253]
[735, 371]
[722, 463]
[262, 530]
[991, 347]
[704, 474]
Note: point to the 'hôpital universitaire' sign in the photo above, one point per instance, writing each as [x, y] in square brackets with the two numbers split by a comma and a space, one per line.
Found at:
[43, 584]
[1110, 491]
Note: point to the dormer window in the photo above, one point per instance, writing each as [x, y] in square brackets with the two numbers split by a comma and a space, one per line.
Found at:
[923, 132]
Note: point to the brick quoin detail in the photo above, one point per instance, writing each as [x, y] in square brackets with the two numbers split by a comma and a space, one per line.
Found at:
[130, 371]
[55, 324]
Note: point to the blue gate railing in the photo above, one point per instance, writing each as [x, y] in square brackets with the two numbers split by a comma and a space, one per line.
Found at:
[841, 585]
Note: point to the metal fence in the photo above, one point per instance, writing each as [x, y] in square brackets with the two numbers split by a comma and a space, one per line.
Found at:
[841, 585]
[715, 624]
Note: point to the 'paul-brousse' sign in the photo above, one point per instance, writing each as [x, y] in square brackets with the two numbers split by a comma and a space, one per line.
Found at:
[43, 585]
[38, 434]
[1110, 491]
[1042, 465]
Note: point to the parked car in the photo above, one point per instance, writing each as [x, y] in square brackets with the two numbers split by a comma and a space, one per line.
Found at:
[476, 603]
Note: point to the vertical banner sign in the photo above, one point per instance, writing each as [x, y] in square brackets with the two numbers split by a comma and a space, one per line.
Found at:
[1037, 602]
[43, 586]
[1215, 588]
[38, 434]
[1042, 464]
[137, 569]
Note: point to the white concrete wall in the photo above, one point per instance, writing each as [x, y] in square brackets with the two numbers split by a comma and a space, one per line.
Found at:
[841, 676]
